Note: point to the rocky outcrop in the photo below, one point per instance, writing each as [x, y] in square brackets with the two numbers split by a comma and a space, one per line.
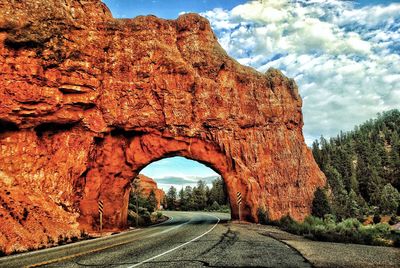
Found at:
[147, 185]
[87, 101]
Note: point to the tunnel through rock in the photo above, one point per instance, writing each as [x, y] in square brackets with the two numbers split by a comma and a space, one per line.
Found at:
[122, 157]
[87, 101]
[175, 183]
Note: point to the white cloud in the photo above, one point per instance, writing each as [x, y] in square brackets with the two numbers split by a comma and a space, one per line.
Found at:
[345, 59]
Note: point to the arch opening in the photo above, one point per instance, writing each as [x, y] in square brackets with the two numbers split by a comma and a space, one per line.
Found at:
[175, 183]
[120, 158]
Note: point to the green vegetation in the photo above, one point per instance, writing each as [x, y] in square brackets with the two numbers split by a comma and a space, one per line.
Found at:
[346, 231]
[363, 174]
[200, 197]
[320, 205]
[363, 168]
[141, 209]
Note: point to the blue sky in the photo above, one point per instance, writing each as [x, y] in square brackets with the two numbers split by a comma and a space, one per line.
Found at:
[178, 172]
[168, 9]
[344, 55]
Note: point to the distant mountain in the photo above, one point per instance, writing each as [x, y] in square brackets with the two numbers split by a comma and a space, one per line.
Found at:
[185, 180]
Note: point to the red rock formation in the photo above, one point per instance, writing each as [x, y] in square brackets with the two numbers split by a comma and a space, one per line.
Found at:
[147, 185]
[87, 101]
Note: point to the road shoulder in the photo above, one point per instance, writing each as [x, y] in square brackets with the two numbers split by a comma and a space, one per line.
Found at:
[326, 254]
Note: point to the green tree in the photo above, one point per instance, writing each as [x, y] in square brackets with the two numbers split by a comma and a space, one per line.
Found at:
[135, 195]
[215, 206]
[320, 204]
[360, 163]
[335, 180]
[188, 199]
[200, 196]
[353, 209]
[152, 202]
[181, 199]
[390, 199]
[217, 192]
[171, 198]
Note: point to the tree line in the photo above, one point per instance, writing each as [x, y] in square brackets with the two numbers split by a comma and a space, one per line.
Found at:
[362, 169]
[200, 197]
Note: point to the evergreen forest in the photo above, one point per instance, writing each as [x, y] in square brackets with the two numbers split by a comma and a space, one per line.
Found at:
[200, 197]
[362, 169]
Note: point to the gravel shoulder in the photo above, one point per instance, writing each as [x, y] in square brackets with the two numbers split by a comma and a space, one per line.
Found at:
[326, 254]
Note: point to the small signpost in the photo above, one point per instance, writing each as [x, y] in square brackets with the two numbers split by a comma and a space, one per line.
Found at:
[101, 207]
[239, 201]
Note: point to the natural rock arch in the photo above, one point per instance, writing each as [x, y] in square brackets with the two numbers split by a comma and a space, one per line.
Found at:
[86, 100]
[135, 153]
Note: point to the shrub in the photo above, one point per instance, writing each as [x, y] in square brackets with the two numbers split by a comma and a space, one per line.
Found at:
[320, 204]
[286, 221]
[225, 209]
[393, 220]
[311, 220]
[262, 216]
[84, 234]
[159, 215]
[396, 238]
[347, 231]
[376, 219]
[329, 219]
[62, 240]
[50, 240]
[215, 206]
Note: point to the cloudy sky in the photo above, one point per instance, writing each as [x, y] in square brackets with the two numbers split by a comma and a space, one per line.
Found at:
[344, 55]
[178, 172]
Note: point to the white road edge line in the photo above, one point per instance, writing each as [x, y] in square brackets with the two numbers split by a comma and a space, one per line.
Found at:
[177, 247]
[170, 219]
[167, 230]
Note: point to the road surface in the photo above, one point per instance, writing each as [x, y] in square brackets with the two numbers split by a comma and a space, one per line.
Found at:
[187, 239]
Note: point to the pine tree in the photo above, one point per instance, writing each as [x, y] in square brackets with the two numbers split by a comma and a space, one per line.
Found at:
[320, 204]
[171, 198]
[182, 199]
[199, 196]
[152, 201]
[353, 209]
[390, 200]
[335, 180]
[188, 197]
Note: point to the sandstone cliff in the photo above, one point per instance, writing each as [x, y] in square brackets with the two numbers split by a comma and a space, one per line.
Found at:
[87, 101]
[147, 185]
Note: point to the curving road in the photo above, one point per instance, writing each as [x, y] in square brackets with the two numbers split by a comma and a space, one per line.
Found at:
[187, 239]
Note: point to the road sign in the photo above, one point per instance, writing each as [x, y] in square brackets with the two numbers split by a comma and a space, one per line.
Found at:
[101, 209]
[239, 201]
[101, 206]
[239, 198]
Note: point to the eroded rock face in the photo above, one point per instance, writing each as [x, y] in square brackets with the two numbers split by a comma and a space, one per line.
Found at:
[87, 101]
[147, 185]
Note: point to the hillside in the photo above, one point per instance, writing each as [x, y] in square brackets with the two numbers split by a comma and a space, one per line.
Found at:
[363, 167]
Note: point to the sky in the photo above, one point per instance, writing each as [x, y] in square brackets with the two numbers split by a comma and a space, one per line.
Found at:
[178, 172]
[344, 55]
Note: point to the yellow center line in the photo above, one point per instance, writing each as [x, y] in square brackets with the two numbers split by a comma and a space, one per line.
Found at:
[77, 254]
[89, 251]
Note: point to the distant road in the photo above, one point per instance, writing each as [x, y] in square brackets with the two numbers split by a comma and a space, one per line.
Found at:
[188, 239]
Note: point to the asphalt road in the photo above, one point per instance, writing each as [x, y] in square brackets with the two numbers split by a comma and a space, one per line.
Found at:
[187, 239]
